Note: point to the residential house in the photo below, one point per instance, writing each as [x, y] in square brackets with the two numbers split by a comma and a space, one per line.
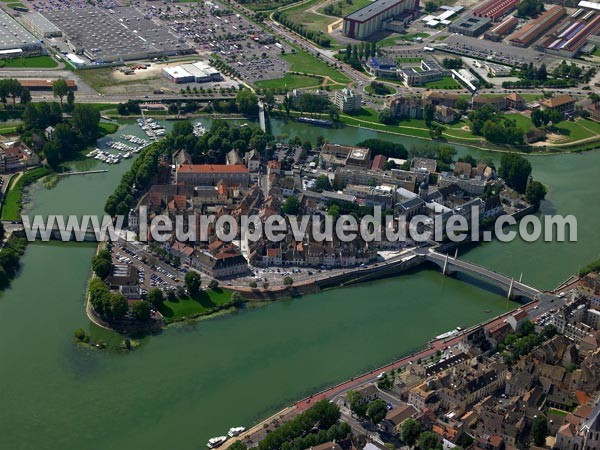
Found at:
[564, 104]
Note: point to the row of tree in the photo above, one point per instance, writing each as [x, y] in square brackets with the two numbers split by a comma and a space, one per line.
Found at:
[318, 37]
[10, 256]
[322, 414]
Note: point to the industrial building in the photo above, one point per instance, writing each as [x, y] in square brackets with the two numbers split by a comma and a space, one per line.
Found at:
[347, 100]
[572, 35]
[496, 9]
[40, 26]
[534, 29]
[370, 19]
[431, 70]
[470, 25]
[15, 40]
[382, 67]
[198, 72]
[466, 78]
[113, 35]
[502, 29]
[43, 85]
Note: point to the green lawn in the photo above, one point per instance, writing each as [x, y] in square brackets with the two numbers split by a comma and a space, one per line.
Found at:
[408, 60]
[315, 22]
[444, 83]
[107, 128]
[11, 207]
[395, 37]
[43, 62]
[579, 129]
[205, 301]
[289, 81]
[522, 121]
[347, 7]
[305, 63]
[558, 412]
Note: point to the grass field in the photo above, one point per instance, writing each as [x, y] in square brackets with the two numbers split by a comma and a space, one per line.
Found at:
[444, 83]
[11, 207]
[316, 22]
[346, 7]
[523, 122]
[190, 307]
[579, 129]
[42, 62]
[290, 81]
[305, 63]
[394, 38]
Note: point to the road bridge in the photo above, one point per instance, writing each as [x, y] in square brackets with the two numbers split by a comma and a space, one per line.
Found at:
[514, 288]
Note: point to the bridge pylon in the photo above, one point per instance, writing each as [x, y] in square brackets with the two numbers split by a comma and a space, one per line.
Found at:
[510, 289]
[444, 270]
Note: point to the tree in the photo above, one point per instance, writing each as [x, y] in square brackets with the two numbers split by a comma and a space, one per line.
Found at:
[141, 310]
[376, 411]
[214, 284]
[357, 406]
[386, 117]
[291, 205]
[288, 281]
[118, 305]
[428, 114]
[535, 193]
[253, 284]
[155, 297]
[79, 335]
[70, 99]
[193, 282]
[539, 431]
[101, 268]
[25, 96]
[428, 441]
[247, 102]
[411, 429]
[60, 89]
[238, 445]
[515, 171]
[322, 183]
[86, 119]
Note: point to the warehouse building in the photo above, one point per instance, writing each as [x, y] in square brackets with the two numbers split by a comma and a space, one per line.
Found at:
[569, 39]
[370, 19]
[113, 35]
[40, 26]
[534, 29]
[502, 29]
[496, 9]
[15, 40]
[470, 25]
[198, 72]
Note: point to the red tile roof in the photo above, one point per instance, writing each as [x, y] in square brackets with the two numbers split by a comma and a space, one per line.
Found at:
[211, 168]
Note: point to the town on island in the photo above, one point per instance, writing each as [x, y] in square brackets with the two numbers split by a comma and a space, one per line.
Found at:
[217, 159]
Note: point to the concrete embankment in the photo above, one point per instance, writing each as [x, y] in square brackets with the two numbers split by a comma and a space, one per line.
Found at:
[352, 276]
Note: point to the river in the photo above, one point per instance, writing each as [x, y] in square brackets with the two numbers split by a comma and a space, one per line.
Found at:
[194, 382]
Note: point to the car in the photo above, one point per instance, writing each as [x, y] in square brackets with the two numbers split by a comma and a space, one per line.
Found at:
[389, 406]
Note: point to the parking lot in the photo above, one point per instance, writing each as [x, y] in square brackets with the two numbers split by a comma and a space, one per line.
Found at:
[152, 273]
[212, 27]
[497, 51]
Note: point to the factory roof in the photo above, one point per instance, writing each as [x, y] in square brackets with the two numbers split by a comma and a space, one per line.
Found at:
[372, 10]
[13, 35]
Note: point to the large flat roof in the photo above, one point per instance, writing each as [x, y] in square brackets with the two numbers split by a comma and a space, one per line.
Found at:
[13, 35]
[372, 10]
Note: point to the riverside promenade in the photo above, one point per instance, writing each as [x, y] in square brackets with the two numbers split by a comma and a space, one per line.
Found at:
[255, 434]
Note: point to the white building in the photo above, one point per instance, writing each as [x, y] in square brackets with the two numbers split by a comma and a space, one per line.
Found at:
[347, 100]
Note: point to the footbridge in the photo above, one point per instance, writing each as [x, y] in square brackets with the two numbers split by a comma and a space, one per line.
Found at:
[513, 288]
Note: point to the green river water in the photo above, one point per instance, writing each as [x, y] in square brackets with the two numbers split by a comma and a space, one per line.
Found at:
[194, 382]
